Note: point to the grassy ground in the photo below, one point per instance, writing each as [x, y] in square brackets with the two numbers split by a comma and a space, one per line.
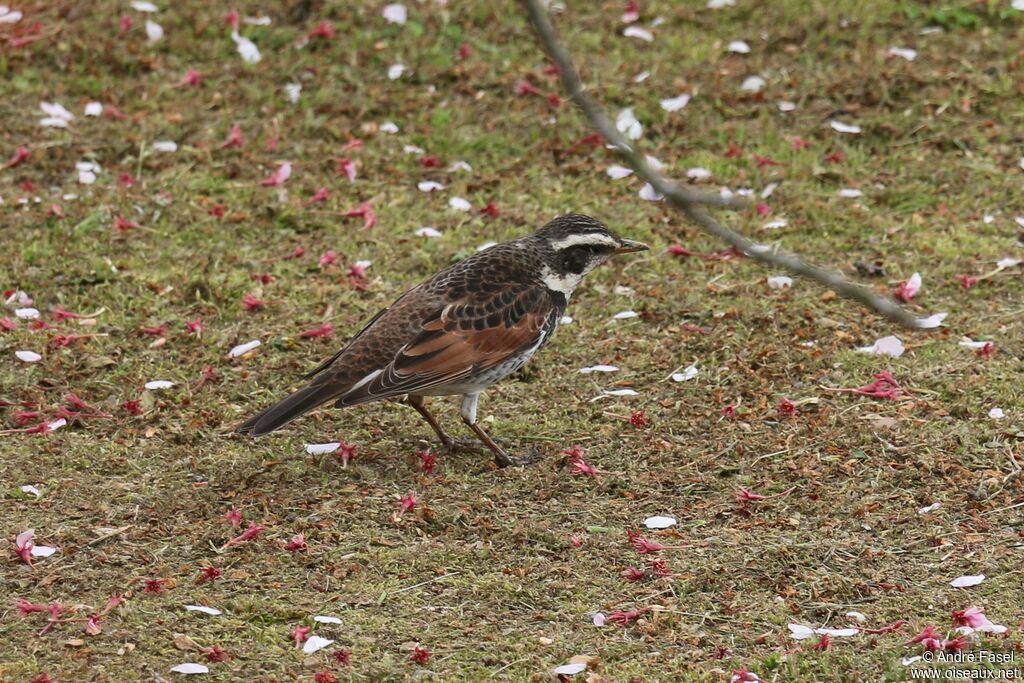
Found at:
[498, 573]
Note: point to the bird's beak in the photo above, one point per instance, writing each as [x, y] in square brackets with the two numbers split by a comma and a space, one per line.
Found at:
[626, 246]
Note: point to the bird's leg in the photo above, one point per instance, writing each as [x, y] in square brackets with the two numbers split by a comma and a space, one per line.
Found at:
[448, 442]
[502, 458]
[420, 405]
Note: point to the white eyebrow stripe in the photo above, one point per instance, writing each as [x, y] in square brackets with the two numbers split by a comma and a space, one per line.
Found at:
[594, 238]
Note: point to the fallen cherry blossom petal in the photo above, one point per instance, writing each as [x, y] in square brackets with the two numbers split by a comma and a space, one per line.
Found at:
[157, 384]
[886, 346]
[753, 84]
[243, 349]
[616, 172]
[190, 668]
[908, 289]
[931, 321]
[204, 609]
[689, 373]
[569, 669]
[841, 127]
[246, 48]
[395, 13]
[675, 103]
[598, 368]
[427, 231]
[279, 176]
[800, 632]
[315, 643]
[659, 522]
[637, 32]
[779, 282]
[321, 619]
[967, 581]
[28, 356]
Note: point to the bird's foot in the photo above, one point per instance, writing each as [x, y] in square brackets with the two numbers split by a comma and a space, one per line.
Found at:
[461, 446]
[503, 459]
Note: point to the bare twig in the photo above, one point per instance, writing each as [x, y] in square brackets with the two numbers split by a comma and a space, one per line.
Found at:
[692, 203]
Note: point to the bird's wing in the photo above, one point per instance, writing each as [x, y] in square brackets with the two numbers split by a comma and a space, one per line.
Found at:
[461, 339]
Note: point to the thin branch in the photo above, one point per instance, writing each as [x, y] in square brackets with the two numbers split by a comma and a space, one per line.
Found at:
[691, 203]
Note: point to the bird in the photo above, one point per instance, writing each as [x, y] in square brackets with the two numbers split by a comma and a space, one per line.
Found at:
[460, 331]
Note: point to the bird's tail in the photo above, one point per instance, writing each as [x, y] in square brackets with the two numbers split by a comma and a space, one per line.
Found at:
[283, 412]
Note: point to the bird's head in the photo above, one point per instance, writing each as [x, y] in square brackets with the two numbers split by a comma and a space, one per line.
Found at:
[573, 245]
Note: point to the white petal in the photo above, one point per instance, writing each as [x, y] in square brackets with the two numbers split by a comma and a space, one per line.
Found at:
[428, 231]
[1018, 5]
[165, 146]
[648, 193]
[1008, 262]
[28, 356]
[460, 166]
[320, 618]
[621, 392]
[191, 668]
[94, 109]
[689, 373]
[143, 6]
[9, 17]
[566, 320]
[616, 172]
[739, 46]
[659, 522]
[886, 346]
[857, 616]
[395, 13]
[246, 48]
[929, 508]
[293, 91]
[967, 581]
[413, 149]
[907, 661]
[779, 282]
[29, 488]
[775, 224]
[459, 204]
[569, 669]
[56, 424]
[86, 177]
[931, 321]
[753, 84]
[627, 124]
[258, 21]
[785, 106]
[800, 632]
[719, 4]
[43, 550]
[624, 315]
[841, 127]
[53, 122]
[243, 349]
[26, 313]
[837, 632]
[904, 52]
[654, 163]
[315, 643]
[154, 31]
[395, 71]
[322, 448]
[56, 110]
[996, 414]
[971, 344]
[429, 186]
[203, 608]
[641, 77]
[991, 628]
[388, 127]
[675, 103]
[598, 368]
[850, 193]
[637, 32]
[599, 619]
[769, 190]
[159, 384]
[698, 173]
